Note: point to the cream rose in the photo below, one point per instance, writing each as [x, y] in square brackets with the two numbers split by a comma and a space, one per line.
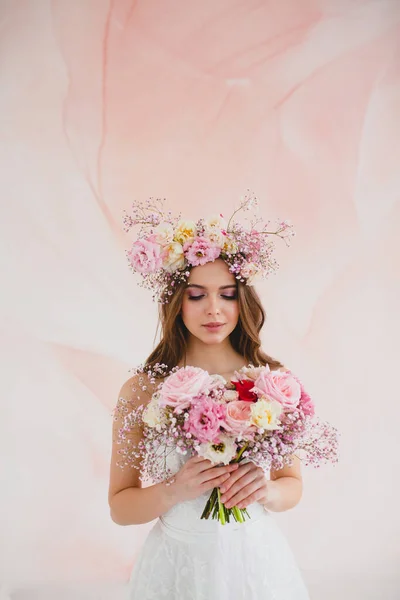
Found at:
[173, 257]
[163, 234]
[265, 413]
[213, 230]
[185, 231]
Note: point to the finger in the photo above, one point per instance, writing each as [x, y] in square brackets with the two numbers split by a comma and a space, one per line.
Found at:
[240, 484]
[202, 468]
[213, 483]
[236, 477]
[216, 472]
[198, 459]
[244, 493]
[254, 497]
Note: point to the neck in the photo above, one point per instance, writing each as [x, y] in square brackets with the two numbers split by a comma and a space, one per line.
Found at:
[214, 358]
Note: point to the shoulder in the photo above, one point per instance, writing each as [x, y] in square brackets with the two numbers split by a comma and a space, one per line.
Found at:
[138, 389]
[134, 392]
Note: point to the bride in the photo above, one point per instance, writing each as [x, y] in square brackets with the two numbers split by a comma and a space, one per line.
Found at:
[212, 321]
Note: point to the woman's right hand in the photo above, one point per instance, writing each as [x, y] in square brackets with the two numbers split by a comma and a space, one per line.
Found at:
[197, 476]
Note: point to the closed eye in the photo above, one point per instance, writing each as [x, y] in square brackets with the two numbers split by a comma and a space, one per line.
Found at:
[222, 296]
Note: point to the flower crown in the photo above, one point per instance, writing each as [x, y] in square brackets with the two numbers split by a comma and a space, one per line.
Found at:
[167, 246]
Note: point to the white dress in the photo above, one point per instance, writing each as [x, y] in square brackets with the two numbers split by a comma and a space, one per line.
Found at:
[188, 558]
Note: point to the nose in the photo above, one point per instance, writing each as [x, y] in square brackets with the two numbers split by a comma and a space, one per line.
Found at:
[213, 306]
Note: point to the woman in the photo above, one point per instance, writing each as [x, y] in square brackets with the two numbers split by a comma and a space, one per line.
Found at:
[212, 321]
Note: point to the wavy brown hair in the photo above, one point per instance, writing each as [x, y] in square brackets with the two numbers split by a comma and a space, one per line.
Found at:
[245, 338]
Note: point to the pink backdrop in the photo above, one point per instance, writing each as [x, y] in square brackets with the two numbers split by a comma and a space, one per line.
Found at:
[106, 102]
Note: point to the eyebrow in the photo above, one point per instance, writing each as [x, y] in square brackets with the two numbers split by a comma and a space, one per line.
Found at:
[203, 287]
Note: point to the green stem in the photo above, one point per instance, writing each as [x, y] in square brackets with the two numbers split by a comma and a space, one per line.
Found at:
[238, 514]
[238, 457]
[221, 507]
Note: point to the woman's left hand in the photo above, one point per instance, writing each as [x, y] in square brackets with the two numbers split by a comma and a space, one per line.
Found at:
[246, 485]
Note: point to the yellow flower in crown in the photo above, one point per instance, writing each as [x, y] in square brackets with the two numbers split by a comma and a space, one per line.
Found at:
[185, 232]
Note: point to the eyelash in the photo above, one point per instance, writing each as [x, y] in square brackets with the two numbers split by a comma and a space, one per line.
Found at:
[202, 296]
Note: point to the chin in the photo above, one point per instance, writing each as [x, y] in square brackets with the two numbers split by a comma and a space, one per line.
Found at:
[213, 338]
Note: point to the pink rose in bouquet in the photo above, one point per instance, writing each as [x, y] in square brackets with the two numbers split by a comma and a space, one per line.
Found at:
[238, 416]
[306, 404]
[183, 386]
[279, 386]
[145, 256]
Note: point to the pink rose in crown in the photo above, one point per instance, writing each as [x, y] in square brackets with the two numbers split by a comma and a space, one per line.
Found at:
[181, 388]
[205, 419]
[144, 256]
[238, 413]
[279, 386]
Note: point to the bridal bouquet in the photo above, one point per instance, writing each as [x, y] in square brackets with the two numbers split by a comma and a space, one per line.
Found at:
[261, 415]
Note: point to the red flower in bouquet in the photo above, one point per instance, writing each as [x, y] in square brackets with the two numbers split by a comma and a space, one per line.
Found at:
[243, 388]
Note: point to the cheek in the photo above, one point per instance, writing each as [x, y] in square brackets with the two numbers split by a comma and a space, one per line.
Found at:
[233, 311]
[189, 309]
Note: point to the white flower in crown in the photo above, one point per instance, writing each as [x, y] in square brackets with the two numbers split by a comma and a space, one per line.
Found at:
[164, 233]
[185, 232]
[251, 272]
[229, 246]
[215, 230]
[173, 257]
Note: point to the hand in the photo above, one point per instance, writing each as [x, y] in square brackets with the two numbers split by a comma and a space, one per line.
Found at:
[196, 476]
[249, 484]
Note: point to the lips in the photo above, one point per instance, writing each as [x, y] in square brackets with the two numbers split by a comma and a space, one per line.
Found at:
[213, 326]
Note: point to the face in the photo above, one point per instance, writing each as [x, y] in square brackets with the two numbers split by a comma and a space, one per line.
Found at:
[210, 297]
